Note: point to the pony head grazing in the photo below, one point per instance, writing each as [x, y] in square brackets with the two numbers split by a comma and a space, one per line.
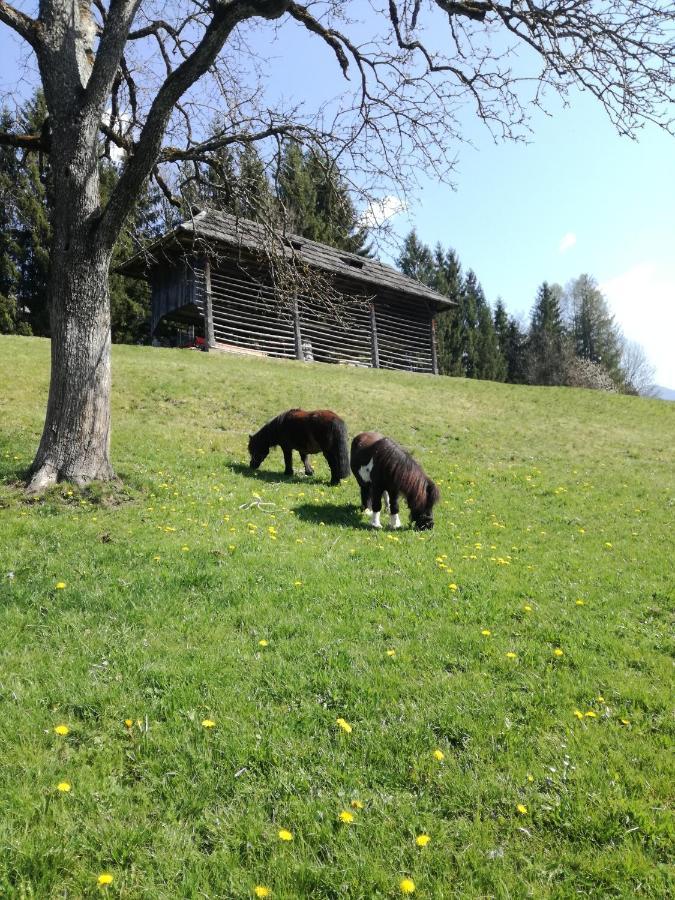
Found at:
[422, 516]
[258, 448]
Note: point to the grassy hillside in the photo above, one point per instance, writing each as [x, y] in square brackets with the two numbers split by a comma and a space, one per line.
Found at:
[504, 679]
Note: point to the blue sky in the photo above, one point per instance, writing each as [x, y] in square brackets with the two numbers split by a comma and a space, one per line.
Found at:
[577, 198]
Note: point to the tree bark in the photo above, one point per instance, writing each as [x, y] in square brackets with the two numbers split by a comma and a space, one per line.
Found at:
[75, 443]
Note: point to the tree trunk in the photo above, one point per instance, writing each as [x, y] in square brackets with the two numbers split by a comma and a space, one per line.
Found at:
[75, 443]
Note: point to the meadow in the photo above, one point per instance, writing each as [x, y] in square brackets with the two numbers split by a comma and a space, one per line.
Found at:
[216, 683]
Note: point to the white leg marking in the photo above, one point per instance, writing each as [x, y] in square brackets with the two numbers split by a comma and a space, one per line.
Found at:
[394, 521]
[385, 500]
[375, 521]
[368, 511]
[364, 472]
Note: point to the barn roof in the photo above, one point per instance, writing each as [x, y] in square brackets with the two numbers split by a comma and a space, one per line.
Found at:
[228, 231]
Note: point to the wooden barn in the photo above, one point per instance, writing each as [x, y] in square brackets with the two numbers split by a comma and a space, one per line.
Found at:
[217, 273]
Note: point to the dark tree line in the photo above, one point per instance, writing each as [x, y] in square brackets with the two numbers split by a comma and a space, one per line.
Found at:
[571, 337]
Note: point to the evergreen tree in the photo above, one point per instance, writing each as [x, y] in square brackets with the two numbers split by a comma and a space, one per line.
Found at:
[593, 331]
[547, 350]
[315, 200]
[416, 261]
[448, 281]
[9, 249]
[489, 361]
[130, 297]
[252, 196]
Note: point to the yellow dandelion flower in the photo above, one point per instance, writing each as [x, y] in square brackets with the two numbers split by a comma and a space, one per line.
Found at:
[185, 549]
[600, 699]
[578, 713]
[407, 886]
[263, 643]
[357, 804]
[297, 583]
[208, 723]
[285, 835]
[608, 545]
[590, 714]
[439, 755]
[527, 608]
[453, 587]
[530, 778]
[511, 655]
[422, 840]
[391, 653]
[522, 809]
[558, 652]
[625, 721]
[156, 558]
[61, 729]
[346, 817]
[63, 786]
[60, 585]
[344, 725]
[260, 890]
[486, 632]
[580, 603]
[129, 723]
[104, 879]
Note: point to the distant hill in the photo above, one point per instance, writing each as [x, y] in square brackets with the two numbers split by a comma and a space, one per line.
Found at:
[664, 393]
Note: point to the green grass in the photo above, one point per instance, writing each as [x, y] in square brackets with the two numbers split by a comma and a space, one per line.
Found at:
[548, 497]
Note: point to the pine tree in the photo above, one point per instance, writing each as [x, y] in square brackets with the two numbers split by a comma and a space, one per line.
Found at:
[593, 331]
[9, 249]
[547, 347]
[315, 202]
[448, 281]
[417, 262]
[130, 297]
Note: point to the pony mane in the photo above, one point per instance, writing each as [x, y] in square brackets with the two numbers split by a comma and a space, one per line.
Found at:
[413, 482]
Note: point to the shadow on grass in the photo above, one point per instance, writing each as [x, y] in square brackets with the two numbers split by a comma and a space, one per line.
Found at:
[274, 477]
[346, 514]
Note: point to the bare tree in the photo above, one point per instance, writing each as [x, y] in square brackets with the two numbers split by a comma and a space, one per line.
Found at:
[123, 74]
[638, 372]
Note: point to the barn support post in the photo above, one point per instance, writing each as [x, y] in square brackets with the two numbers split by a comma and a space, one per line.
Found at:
[375, 350]
[434, 355]
[209, 333]
[296, 331]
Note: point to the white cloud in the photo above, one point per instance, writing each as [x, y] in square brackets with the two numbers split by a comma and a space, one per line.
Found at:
[643, 302]
[380, 211]
[569, 240]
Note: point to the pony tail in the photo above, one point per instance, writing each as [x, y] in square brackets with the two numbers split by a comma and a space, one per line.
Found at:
[433, 494]
[342, 448]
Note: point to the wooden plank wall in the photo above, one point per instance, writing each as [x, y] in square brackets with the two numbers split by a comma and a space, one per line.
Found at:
[246, 314]
[173, 287]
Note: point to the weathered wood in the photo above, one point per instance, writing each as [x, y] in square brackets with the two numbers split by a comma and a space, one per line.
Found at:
[375, 350]
[434, 355]
[296, 331]
[208, 305]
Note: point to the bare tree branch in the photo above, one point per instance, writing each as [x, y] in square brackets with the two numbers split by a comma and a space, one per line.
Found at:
[22, 24]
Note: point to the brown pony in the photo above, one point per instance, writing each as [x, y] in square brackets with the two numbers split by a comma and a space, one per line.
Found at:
[382, 468]
[307, 432]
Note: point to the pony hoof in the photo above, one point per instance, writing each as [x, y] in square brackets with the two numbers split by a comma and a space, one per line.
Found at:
[375, 525]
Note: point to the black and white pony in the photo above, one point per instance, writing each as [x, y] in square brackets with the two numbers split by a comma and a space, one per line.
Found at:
[320, 430]
[384, 469]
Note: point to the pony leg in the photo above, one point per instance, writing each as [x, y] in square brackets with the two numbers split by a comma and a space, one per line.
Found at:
[394, 520]
[365, 498]
[288, 460]
[306, 463]
[377, 509]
